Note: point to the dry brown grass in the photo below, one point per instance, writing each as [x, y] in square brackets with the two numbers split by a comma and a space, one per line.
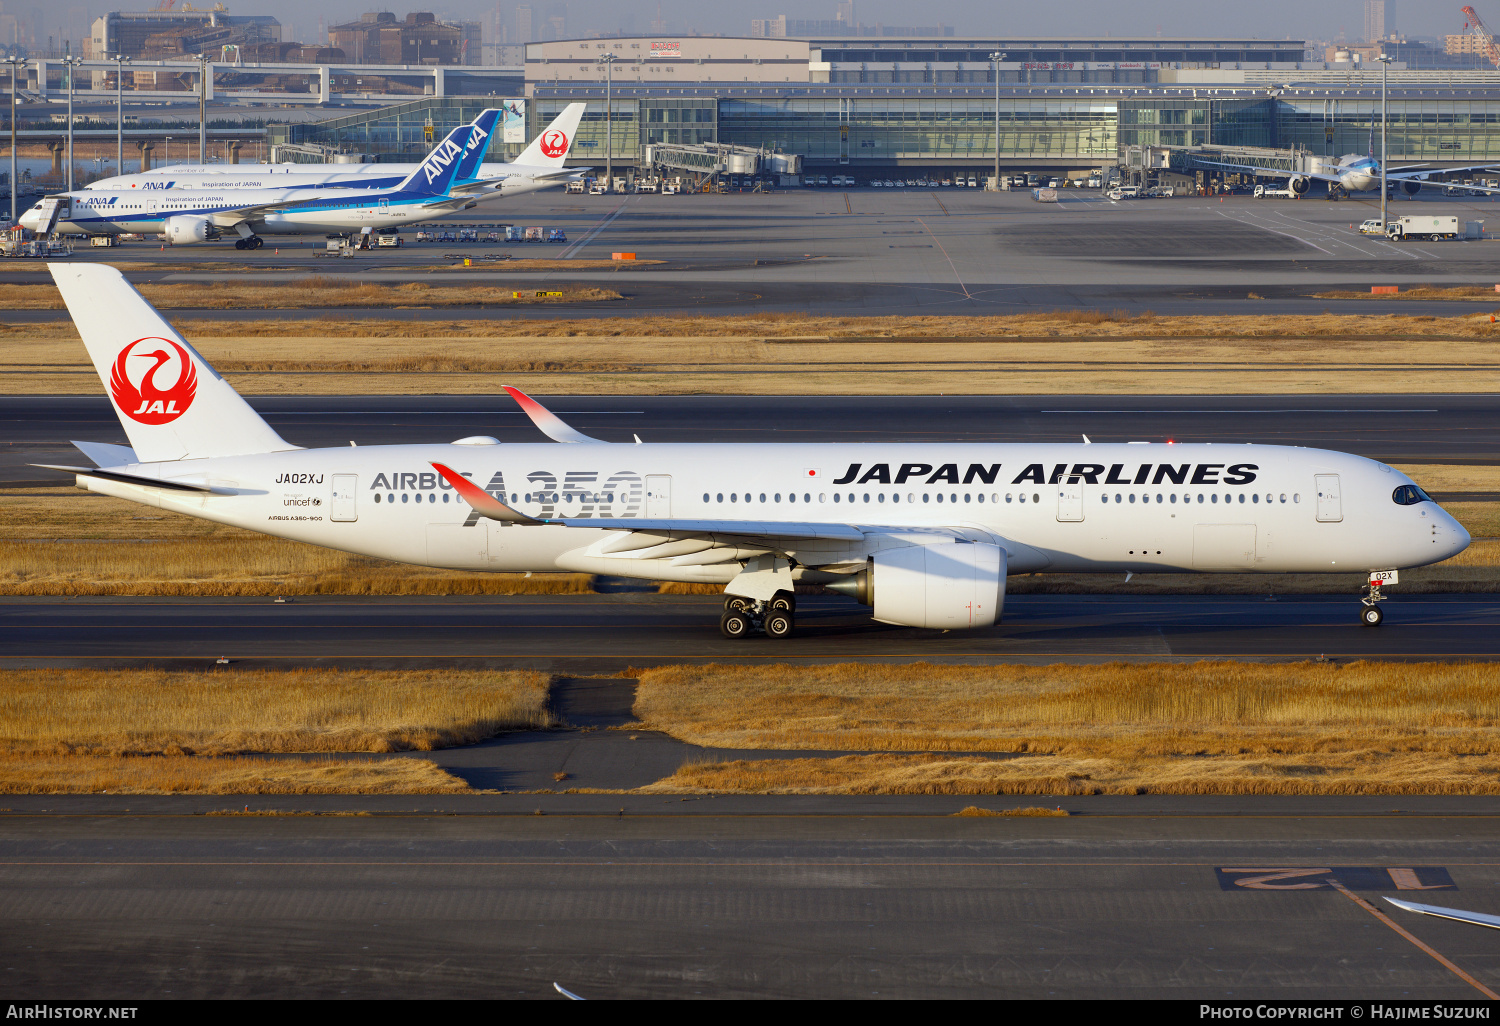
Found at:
[320, 291]
[1074, 352]
[96, 774]
[1113, 710]
[156, 712]
[249, 566]
[486, 262]
[1372, 772]
[1482, 293]
[1030, 810]
[1448, 477]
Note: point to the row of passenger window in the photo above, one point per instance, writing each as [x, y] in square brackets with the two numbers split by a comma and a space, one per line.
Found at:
[895, 497]
[1212, 497]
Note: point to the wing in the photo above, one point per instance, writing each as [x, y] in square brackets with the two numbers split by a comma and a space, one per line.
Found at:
[1410, 171]
[1476, 918]
[549, 423]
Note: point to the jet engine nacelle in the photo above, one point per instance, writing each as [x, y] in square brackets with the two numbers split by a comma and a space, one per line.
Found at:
[949, 587]
[1299, 184]
[1411, 187]
[185, 228]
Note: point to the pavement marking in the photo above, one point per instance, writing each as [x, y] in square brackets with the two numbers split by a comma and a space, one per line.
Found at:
[946, 257]
[599, 227]
[1437, 955]
[940, 203]
[1360, 878]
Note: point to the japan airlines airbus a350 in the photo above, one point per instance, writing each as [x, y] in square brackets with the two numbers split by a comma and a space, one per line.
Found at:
[925, 533]
[202, 215]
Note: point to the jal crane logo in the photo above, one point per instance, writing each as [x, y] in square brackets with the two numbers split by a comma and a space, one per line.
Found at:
[135, 386]
[554, 143]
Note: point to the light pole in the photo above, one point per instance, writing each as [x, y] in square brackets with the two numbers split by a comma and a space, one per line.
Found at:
[120, 61]
[69, 64]
[1385, 67]
[608, 60]
[15, 66]
[166, 152]
[205, 65]
[995, 59]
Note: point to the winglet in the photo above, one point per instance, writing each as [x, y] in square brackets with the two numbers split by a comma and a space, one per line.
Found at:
[547, 422]
[483, 503]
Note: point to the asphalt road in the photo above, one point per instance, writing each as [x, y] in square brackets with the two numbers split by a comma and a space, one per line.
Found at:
[909, 252]
[664, 906]
[607, 633]
[1401, 428]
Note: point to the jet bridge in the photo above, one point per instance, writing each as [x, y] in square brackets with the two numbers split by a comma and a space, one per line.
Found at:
[709, 159]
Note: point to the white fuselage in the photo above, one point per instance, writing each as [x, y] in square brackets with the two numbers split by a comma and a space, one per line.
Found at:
[496, 179]
[1059, 507]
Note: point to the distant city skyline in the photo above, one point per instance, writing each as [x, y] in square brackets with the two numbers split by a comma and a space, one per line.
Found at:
[1270, 19]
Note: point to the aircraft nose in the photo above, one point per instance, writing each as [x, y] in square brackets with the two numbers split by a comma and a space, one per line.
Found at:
[1452, 538]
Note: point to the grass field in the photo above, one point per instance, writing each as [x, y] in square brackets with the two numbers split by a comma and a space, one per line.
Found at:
[321, 291]
[1200, 728]
[95, 774]
[1065, 352]
[224, 712]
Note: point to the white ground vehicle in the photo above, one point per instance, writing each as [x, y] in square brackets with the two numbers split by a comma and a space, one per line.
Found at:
[1374, 226]
[973, 182]
[1269, 192]
[1424, 227]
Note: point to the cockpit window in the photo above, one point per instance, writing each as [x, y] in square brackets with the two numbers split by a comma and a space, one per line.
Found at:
[1410, 495]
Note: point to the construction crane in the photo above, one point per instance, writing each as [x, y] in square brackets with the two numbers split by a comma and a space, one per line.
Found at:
[1475, 26]
[164, 5]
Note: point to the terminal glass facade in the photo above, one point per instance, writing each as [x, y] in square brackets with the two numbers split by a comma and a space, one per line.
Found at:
[1458, 129]
[900, 129]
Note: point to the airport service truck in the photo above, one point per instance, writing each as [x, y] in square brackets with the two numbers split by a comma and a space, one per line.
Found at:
[1424, 227]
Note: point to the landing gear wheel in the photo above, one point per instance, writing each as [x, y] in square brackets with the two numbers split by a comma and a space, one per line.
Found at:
[736, 604]
[784, 602]
[777, 624]
[1371, 616]
[734, 624]
[239, 244]
[255, 242]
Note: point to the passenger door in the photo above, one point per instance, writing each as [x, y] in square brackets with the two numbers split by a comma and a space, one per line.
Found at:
[1070, 502]
[658, 495]
[1330, 506]
[343, 507]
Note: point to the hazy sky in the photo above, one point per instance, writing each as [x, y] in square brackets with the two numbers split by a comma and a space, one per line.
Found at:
[1265, 18]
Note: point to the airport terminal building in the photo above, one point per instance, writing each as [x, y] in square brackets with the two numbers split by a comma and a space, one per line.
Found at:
[886, 103]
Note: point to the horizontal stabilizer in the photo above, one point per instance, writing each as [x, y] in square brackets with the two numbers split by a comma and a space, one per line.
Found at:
[106, 455]
[135, 479]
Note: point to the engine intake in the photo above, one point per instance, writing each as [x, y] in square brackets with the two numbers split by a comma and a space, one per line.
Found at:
[1411, 186]
[1299, 185]
[949, 587]
[186, 228]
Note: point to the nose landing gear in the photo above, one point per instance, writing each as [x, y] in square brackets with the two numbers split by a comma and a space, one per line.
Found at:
[1370, 613]
[742, 616]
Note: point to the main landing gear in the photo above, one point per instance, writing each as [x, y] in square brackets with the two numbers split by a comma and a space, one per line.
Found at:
[1370, 613]
[253, 242]
[742, 616]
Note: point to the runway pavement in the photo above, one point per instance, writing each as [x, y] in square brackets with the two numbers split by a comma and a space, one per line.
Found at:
[924, 252]
[1401, 428]
[607, 633]
[1193, 906]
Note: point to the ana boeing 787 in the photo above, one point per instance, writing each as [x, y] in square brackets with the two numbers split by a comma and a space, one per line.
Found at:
[923, 532]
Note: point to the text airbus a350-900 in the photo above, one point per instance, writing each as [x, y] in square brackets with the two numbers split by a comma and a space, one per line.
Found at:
[925, 533]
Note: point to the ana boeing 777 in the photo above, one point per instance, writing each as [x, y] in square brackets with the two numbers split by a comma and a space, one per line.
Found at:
[184, 216]
[925, 533]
